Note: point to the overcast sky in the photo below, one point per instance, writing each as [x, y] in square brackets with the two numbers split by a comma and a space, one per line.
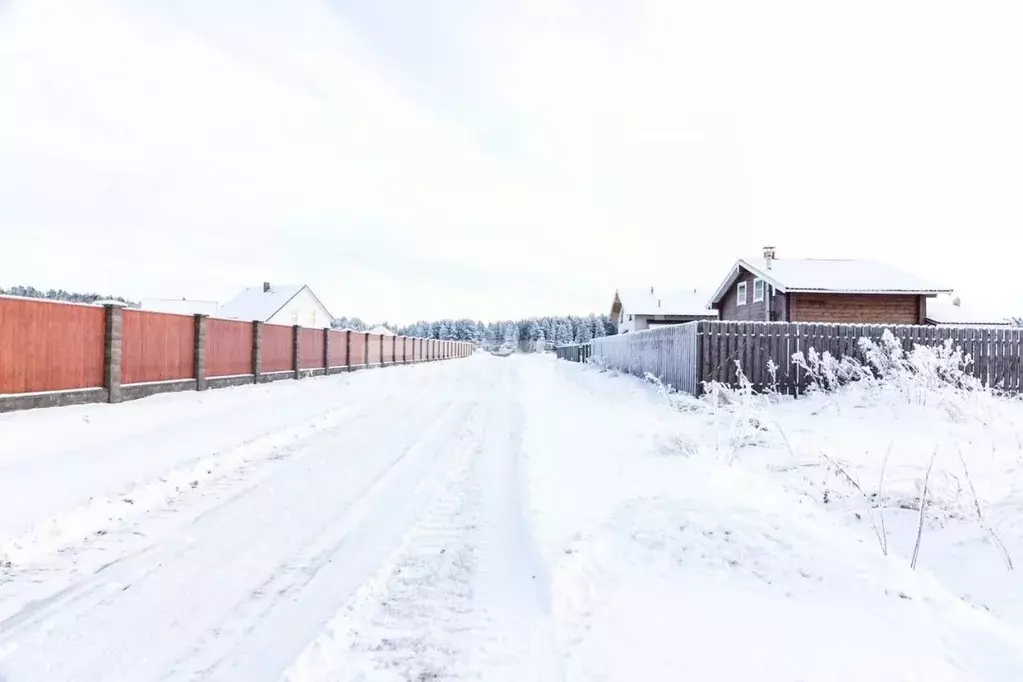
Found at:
[445, 158]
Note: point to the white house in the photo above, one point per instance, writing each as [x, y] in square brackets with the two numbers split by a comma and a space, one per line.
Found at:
[180, 306]
[278, 304]
[382, 330]
[638, 309]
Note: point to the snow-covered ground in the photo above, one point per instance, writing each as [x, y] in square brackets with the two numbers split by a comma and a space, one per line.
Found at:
[511, 519]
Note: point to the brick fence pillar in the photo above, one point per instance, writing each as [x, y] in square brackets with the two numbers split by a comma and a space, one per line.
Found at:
[200, 352]
[326, 350]
[257, 351]
[112, 351]
[296, 350]
[348, 349]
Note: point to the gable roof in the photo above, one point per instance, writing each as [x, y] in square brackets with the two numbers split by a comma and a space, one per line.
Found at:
[838, 276]
[381, 329]
[255, 304]
[651, 301]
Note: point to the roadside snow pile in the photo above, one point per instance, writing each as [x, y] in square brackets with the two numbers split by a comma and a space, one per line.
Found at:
[747, 536]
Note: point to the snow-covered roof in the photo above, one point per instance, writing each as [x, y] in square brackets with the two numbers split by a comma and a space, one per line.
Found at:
[180, 306]
[653, 301]
[381, 329]
[254, 303]
[840, 276]
[943, 310]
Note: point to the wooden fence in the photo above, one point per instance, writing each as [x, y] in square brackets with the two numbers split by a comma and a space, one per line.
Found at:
[54, 353]
[686, 355]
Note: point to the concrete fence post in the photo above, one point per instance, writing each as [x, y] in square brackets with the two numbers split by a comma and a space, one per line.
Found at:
[200, 352]
[296, 350]
[112, 351]
[257, 351]
[326, 350]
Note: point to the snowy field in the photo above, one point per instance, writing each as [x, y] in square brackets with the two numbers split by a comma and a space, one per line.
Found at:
[513, 519]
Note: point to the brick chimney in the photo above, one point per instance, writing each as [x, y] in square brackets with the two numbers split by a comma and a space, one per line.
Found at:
[266, 287]
[769, 255]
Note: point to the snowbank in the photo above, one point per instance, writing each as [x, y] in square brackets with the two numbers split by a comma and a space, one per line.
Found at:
[737, 540]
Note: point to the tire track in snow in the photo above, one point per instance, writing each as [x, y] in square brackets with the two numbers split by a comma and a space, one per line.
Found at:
[466, 597]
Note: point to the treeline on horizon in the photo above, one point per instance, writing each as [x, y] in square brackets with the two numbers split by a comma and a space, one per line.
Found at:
[527, 333]
[62, 295]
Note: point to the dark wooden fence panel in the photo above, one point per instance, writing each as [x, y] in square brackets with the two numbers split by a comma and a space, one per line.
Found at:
[684, 356]
[338, 349]
[277, 348]
[228, 348]
[156, 347]
[310, 348]
[49, 346]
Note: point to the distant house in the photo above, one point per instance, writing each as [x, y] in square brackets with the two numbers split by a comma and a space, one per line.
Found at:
[822, 290]
[946, 311]
[287, 304]
[635, 310]
[382, 330]
[180, 306]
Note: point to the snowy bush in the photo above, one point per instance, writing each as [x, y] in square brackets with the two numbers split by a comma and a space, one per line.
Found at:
[924, 371]
[680, 402]
[741, 410]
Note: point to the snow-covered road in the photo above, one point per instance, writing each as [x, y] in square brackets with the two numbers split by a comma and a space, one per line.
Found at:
[496, 519]
[231, 577]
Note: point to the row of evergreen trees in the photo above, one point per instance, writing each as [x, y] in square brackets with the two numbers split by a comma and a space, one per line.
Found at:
[62, 295]
[527, 334]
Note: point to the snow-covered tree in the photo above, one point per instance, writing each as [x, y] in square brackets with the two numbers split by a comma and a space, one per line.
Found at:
[584, 332]
[62, 295]
[511, 335]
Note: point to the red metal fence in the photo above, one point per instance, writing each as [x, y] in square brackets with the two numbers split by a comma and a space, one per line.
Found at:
[156, 347]
[310, 346]
[51, 350]
[373, 347]
[338, 348]
[277, 348]
[228, 348]
[358, 349]
[48, 346]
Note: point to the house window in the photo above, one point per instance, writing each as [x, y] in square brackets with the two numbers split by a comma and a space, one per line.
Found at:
[758, 290]
[741, 294]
